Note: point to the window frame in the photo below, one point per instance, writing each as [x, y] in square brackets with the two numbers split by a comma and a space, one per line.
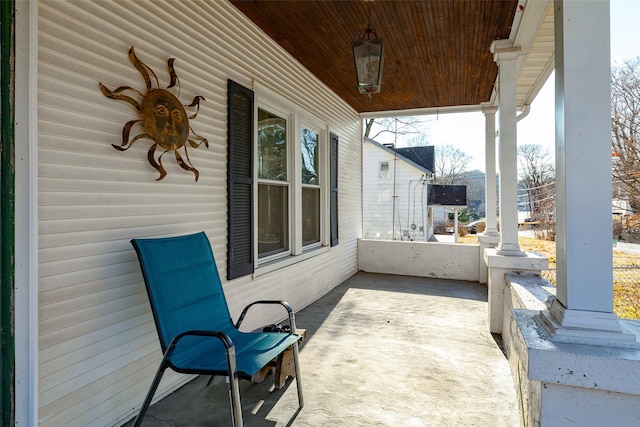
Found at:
[388, 171]
[307, 122]
[296, 120]
[272, 108]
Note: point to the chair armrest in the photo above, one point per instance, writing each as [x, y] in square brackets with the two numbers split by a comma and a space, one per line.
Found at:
[222, 336]
[290, 312]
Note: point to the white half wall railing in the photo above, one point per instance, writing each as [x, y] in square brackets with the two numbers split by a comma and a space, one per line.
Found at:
[423, 259]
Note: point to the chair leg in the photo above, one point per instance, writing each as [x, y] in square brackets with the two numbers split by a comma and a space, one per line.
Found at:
[150, 393]
[211, 378]
[296, 362]
[234, 390]
[236, 406]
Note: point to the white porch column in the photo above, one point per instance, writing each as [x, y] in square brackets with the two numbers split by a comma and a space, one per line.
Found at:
[583, 310]
[490, 238]
[559, 379]
[505, 55]
[490, 171]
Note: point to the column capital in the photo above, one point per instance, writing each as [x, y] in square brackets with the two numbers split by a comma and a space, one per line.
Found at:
[489, 109]
[504, 50]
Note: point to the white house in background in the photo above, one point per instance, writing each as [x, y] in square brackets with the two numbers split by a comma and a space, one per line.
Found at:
[394, 191]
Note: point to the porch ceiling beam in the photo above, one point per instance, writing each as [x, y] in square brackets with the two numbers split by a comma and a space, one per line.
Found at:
[422, 111]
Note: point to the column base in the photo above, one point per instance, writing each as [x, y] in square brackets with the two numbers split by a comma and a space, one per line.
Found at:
[528, 264]
[510, 249]
[570, 384]
[490, 240]
[491, 232]
[584, 327]
[486, 241]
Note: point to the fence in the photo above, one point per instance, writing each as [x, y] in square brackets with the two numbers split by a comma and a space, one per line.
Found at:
[626, 289]
[627, 275]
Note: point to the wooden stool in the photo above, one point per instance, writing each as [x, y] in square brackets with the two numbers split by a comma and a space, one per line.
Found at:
[282, 366]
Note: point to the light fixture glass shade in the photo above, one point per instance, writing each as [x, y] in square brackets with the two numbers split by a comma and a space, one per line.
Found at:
[368, 56]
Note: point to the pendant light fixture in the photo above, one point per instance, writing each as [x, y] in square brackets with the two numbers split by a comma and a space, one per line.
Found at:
[368, 56]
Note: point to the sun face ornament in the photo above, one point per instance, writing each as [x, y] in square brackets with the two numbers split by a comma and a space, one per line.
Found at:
[162, 116]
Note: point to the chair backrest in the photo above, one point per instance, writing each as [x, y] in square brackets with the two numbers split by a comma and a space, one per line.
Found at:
[183, 285]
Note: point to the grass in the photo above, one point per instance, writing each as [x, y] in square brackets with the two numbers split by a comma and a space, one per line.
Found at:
[626, 281]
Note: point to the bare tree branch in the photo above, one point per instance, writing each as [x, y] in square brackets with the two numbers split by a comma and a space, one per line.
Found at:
[409, 125]
[450, 164]
[537, 178]
[625, 131]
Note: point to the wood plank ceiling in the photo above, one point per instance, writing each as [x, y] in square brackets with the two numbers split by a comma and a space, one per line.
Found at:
[436, 51]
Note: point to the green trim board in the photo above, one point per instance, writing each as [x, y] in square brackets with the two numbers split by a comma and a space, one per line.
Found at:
[7, 209]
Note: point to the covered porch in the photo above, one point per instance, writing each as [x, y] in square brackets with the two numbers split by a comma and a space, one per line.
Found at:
[80, 327]
[381, 350]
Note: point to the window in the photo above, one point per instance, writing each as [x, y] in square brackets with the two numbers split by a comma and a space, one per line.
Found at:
[282, 183]
[310, 187]
[384, 170]
[290, 181]
[290, 186]
[273, 185]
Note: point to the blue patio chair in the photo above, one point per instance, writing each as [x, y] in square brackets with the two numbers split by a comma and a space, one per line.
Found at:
[197, 335]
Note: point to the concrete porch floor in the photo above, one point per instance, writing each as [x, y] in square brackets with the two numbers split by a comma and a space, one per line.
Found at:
[381, 350]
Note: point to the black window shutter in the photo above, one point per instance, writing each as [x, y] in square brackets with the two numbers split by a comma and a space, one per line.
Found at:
[240, 134]
[333, 178]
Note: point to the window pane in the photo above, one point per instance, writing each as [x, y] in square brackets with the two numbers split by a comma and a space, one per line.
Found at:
[273, 225]
[309, 157]
[384, 170]
[310, 215]
[272, 146]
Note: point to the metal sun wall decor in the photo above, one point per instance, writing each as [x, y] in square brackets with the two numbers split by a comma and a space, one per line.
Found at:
[163, 117]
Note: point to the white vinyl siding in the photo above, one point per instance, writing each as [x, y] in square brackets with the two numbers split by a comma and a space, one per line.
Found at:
[98, 345]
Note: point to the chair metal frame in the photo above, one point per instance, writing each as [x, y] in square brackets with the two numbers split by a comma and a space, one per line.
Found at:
[230, 349]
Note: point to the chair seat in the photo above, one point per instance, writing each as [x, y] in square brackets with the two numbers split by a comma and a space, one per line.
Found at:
[253, 350]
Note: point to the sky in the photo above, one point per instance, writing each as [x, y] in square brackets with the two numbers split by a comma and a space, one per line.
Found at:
[466, 130]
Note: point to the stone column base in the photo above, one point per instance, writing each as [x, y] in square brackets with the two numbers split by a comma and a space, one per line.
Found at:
[572, 384]
[499, 265]
[486, 241]
[584, 327]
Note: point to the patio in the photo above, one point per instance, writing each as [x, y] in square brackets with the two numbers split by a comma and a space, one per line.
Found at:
[381, 350]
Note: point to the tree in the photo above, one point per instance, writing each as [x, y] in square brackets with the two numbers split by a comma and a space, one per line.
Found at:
[537, 180]
[625, 130]
[475, 182]
[409, 125]
[463, 215]
[450, 164]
